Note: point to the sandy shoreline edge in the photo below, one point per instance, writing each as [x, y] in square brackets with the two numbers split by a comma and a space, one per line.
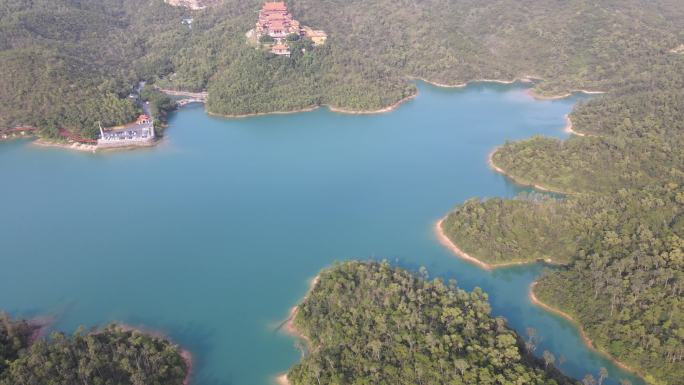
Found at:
[288, 327]
[389, 108]
[338, 110]
[490, 162]
[456, 250]
[583, 334]
[445, 241]
[569, 128]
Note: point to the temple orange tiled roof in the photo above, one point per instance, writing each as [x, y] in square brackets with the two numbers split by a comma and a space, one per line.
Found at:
[275, 6]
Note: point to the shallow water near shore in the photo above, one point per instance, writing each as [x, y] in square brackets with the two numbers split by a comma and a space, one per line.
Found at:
[211, 237]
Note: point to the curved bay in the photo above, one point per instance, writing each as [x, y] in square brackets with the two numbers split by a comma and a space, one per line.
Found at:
[212, 235]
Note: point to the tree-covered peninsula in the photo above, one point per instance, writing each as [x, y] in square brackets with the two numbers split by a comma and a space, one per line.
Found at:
[372, 323]
[112, 356]
[618, 232]
[622, 256]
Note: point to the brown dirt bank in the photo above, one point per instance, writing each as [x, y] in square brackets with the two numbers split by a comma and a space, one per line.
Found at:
[490, 162]
[288, 327]
[69, 146]
[583, 334]
[449, 244]
[538, 96]
[524, 79]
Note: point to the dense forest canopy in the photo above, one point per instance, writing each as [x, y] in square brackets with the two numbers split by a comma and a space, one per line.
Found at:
[72, 63]
[619, 232]
[371, 323]
[623, 256]
[113, 356]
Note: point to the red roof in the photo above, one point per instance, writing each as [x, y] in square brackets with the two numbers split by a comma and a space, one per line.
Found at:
[275, 6]
[276, 16]
[143, 117]
[276, 24]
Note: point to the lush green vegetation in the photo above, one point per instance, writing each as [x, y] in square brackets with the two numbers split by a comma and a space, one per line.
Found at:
[15, 336]
[112, 356]
[529, 228]
[69, 63]
[72, 64]
[371, 323]
[619, 234]
[623, 253]
[636, 139]
[160, 106]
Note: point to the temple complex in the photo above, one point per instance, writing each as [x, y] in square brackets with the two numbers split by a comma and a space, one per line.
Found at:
[276, 21]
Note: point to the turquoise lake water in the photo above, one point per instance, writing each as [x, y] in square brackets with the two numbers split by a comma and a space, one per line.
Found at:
[213, 235]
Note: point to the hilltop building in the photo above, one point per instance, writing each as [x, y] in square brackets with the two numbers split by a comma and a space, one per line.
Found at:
[317, 36]
[281, 49]
[276, 21]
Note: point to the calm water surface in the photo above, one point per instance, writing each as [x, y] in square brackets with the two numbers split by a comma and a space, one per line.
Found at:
[212, 236]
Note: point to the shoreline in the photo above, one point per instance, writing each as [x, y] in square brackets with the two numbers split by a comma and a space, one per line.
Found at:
[338, 110]
[281, 379]
[383, 110]
[490, 162]
[75, 146]
[288, 327]
[82, 147]
[201, 97]
[525, 79]
[254, 114]
[538, 96]
[389, 108]
[568, 127]
[583, 334]
[445, 241]
[451, 246]
[40, 326]
[185, 354]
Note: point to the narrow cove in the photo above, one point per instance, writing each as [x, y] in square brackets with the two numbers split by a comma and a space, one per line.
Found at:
[212, 236]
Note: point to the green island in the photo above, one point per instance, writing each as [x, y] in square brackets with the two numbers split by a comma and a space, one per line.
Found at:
[113, 355]
[372, 323]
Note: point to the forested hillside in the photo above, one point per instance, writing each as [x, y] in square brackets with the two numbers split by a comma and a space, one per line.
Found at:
[111, 356]
[619, 232]
[623, 256]
[635, 139]
[624, 264]
[72, 63]
[371, 323]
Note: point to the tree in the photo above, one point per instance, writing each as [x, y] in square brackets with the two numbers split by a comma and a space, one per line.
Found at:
[588, 380]
[603, 374]
[266, 39]
[549, 358]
